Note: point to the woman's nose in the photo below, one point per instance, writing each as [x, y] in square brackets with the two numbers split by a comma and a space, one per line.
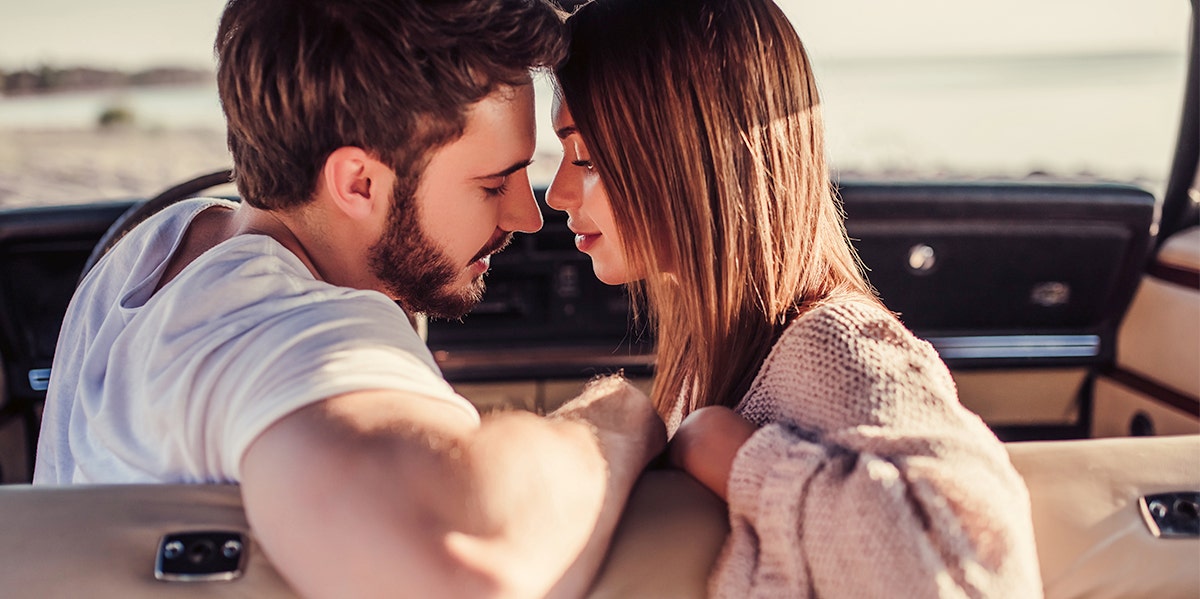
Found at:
[563, 193]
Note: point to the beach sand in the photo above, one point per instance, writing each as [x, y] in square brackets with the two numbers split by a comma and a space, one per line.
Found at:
[74, 166]
[79, 166]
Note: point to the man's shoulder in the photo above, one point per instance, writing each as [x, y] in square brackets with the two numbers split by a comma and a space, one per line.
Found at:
[164, 227]
[146, 248]
[253, 281]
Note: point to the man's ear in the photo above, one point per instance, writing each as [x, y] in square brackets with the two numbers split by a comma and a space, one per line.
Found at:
[357, 183]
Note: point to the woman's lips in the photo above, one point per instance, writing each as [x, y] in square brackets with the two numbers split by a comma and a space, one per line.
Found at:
[584, 241]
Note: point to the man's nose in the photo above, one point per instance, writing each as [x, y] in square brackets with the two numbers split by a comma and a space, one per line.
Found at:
[520, 212]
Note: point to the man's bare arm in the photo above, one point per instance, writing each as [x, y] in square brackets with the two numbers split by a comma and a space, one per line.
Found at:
[629, 437]
[376, 494]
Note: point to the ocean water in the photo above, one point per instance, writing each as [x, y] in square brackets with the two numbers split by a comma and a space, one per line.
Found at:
[165, 107]
[1110, 116]
[1092, 116]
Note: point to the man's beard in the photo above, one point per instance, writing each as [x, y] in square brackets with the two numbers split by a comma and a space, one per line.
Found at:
[416, 272]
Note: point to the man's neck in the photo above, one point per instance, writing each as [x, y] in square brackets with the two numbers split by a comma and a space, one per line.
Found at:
[248, 220]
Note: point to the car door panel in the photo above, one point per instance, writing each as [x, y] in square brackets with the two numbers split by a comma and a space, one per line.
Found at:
[1154, 385]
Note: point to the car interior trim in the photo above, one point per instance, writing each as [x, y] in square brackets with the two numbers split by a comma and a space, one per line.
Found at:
[39, 379]
[1170, 397]
[1017, 346]
[544, 362]
[1173, 274]
[1178, 259]
[1172, 515]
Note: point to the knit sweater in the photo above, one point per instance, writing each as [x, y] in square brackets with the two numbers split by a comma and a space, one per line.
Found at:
[867, 477]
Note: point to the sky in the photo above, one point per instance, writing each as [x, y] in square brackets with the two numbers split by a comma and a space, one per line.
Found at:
[129, 34]
[136, 34]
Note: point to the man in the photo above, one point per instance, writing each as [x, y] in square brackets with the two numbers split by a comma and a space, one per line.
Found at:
[380, 148]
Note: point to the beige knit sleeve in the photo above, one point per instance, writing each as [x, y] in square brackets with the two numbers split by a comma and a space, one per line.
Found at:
[895, 496]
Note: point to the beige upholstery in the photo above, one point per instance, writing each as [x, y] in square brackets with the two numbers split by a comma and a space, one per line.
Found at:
[1182, 250]
[667, 541]
[1159, 337]
[101, 541]
[1091, 538]
[1092, 541]
[1116, 405]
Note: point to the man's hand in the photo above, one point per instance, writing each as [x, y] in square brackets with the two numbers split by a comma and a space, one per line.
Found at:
[624, 419]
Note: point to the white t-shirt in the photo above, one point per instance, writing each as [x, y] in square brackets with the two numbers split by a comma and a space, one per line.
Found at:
[173, 386]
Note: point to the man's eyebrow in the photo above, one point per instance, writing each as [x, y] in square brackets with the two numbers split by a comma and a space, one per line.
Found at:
[508, 171]
[566, 131]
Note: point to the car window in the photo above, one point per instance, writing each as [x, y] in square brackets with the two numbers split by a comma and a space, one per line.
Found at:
[1062, 89]
[100, 103]
[936, 88]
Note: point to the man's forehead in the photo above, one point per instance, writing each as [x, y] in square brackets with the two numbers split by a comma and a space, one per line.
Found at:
[501, 106]
[499, 137]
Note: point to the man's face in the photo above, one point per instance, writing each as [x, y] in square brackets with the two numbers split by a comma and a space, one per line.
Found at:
[472, 196]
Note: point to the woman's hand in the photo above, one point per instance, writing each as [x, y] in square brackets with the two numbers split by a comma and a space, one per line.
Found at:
[706, 443]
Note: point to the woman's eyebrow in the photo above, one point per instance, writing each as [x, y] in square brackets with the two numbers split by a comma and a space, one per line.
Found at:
[566, 131]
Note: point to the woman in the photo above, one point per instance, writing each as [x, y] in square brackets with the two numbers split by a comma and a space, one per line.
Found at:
[694, 171]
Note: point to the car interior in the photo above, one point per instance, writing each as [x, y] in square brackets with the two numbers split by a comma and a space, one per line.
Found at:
[1068, 312]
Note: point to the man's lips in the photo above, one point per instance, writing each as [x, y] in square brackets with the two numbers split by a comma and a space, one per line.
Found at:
[494, 247]
[481, 265]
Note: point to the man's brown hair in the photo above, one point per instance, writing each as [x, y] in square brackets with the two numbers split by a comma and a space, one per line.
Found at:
[301, 78]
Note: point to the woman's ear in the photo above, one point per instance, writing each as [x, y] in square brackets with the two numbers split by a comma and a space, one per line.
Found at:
[357, 183]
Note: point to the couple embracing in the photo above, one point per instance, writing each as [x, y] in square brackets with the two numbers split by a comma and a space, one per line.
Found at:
[380, 149]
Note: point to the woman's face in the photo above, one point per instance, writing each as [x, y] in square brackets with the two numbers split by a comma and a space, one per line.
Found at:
[578, 191]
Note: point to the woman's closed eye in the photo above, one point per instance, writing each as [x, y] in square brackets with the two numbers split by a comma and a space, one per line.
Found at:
[584, 164]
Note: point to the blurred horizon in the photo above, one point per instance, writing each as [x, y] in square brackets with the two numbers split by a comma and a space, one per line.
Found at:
[137, 35]
[936, 89]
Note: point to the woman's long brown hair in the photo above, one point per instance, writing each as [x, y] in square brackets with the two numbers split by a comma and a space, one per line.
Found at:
[703, 120]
